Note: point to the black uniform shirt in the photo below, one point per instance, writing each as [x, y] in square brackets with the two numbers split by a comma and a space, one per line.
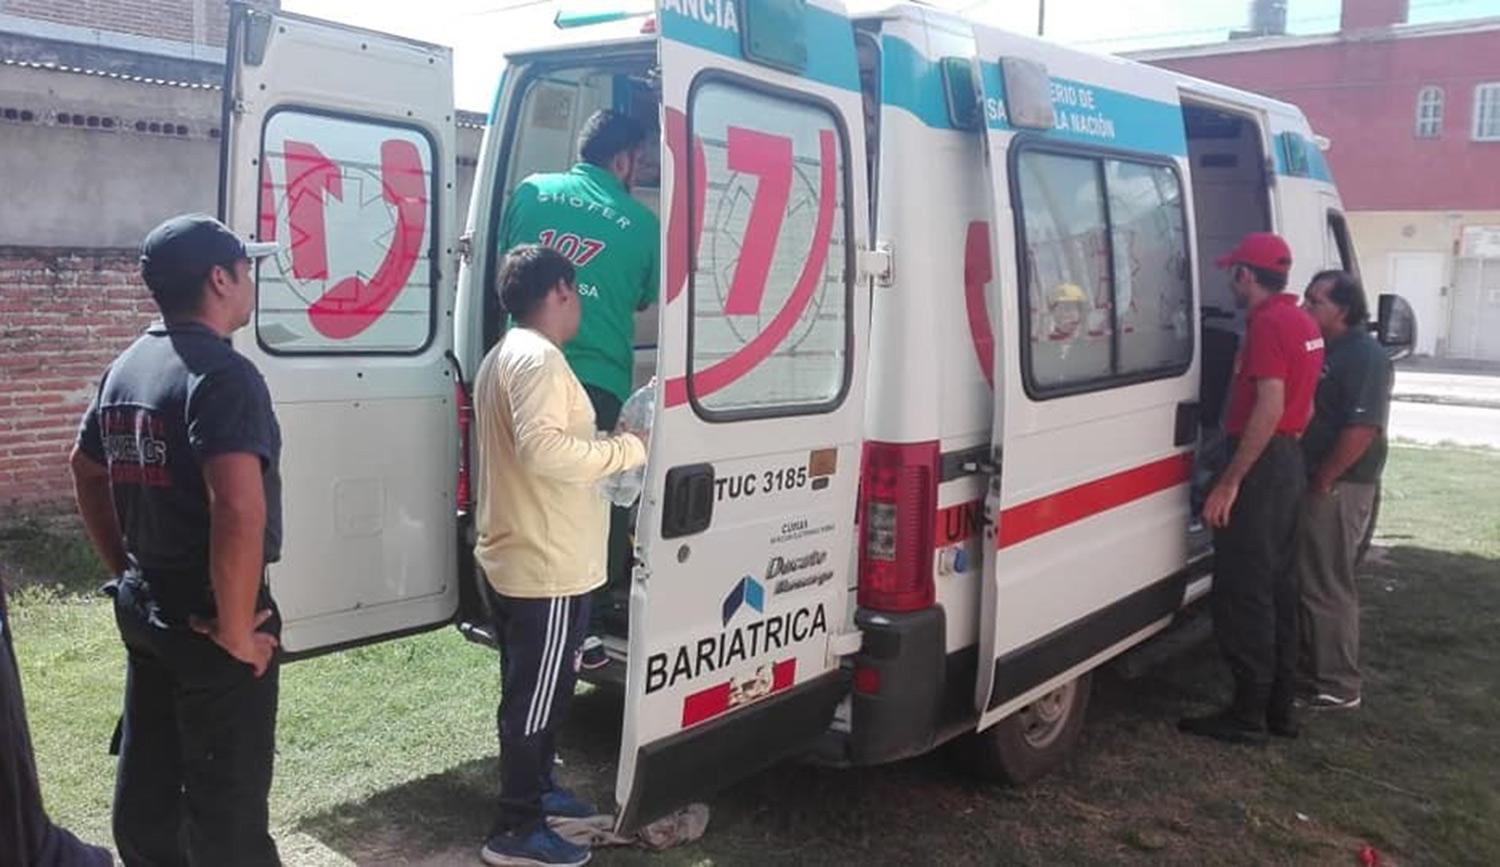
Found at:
[177, 397]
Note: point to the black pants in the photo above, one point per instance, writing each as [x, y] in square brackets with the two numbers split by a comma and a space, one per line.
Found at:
[197, 742]
[611, 606]
[27, 837]
[539, 643]
[1255, 584]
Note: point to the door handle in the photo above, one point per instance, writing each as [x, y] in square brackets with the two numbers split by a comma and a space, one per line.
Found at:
[1185, 432]
[687, 500]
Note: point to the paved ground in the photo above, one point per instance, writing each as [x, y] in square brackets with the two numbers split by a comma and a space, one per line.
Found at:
[1445, 406]
[1433, 423]
[1473, 389]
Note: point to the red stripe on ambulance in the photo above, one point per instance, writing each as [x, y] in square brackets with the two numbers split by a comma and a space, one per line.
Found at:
[1045, 514]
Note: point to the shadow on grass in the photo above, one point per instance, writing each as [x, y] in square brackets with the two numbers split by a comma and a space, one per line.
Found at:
[1415, 773]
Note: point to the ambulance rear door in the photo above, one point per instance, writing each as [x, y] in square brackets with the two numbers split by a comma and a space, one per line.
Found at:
[339, 146]
[746, 529]
[1096, 372]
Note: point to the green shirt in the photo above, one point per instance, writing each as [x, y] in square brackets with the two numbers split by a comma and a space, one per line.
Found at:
[613, 240]
[1355, 389]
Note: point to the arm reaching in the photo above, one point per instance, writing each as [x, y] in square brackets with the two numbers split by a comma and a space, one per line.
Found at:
[539, 400]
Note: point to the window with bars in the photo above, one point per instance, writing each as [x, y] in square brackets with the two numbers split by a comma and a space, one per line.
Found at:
[1429, 112]
[1487, 112]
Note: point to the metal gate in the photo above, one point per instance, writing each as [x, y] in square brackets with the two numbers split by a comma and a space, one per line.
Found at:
[1474, 330]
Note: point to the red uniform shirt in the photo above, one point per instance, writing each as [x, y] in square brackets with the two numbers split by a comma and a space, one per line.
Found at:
[1281, 342]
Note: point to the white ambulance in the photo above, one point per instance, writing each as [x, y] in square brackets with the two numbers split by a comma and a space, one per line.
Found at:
[937, 326]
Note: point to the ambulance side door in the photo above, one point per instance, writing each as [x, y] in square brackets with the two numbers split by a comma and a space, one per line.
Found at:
[339, 146]
[746, 529]
[1096, 375]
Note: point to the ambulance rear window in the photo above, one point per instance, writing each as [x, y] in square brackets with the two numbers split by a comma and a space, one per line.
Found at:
[770, 293]
[351, 201]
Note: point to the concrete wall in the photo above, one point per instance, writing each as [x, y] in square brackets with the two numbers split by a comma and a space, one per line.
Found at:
[1380, 235]
[204, 22]
[102, 160]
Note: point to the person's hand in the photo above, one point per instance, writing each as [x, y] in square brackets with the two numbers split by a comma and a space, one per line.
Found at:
[1319, 488]
[254, 648]
[1220, 504]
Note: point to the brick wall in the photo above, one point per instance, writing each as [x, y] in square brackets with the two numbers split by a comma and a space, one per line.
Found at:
[180, 20]
[64, 315]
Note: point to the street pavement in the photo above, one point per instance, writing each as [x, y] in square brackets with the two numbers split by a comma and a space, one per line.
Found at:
[1437, 423]
[1468, 389]
[1434, 408]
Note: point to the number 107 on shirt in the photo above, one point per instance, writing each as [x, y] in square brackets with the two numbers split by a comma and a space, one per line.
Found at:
[579, 251]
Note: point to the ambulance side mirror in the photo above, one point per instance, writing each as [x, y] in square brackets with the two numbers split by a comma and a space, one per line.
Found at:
[1396, 326]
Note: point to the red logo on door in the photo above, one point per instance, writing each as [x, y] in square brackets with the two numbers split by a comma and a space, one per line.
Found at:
[356, 300]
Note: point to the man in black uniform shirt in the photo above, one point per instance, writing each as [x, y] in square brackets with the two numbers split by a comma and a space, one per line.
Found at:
[176, 476]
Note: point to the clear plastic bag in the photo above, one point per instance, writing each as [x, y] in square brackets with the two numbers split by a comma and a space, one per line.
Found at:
[636, 415]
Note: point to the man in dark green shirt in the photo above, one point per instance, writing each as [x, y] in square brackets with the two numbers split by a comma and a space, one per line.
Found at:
[1345, 448]
[588, 215]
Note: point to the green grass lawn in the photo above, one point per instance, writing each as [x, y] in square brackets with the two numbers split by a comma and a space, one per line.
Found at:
[386, 754]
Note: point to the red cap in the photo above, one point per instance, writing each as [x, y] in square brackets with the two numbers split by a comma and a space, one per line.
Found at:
[1260, 250]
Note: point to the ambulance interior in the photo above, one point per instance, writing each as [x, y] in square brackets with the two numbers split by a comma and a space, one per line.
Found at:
[555, 104]
[1230, 198]
[554, 107]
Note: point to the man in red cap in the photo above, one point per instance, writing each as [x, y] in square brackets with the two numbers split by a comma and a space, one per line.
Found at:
[1253, 505]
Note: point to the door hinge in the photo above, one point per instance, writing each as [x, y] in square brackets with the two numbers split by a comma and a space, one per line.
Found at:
[877, 264]
[466, 247]
[846, 643]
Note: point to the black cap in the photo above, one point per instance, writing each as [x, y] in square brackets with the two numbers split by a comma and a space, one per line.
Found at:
[184, 248]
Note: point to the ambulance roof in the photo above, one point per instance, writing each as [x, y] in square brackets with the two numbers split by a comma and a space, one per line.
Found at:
[639, 30]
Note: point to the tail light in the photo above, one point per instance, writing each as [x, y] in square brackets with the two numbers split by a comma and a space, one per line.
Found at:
[462, 491]
[898, 505]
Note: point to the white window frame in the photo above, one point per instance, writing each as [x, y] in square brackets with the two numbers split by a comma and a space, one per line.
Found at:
[1430, 101]
[1490, 91]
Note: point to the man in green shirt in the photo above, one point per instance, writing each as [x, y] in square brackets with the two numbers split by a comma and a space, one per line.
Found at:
[1345, 448]
[588, 215]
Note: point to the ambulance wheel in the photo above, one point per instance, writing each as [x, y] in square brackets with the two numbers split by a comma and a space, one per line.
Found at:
[1033, 741]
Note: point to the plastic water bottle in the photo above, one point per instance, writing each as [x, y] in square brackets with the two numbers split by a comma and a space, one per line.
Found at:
[639, 410]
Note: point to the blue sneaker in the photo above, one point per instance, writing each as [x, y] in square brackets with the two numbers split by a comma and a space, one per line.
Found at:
[540, 848]
[563, 804]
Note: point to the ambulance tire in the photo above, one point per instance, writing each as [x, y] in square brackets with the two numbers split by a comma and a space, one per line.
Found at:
[1033, 741]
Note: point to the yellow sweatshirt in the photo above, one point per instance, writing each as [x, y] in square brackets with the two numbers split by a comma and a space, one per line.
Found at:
[543, 526]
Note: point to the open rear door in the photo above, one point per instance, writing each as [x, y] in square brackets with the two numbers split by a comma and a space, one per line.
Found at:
[746, 529]
[1094, 411]
[338, 145]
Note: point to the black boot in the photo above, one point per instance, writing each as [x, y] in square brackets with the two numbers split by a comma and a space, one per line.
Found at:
[1281, 718]
[1243, 722]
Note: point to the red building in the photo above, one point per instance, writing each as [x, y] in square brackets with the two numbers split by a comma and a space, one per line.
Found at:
[1412, 114]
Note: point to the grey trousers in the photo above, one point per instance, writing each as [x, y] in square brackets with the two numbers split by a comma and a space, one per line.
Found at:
[1332, 527]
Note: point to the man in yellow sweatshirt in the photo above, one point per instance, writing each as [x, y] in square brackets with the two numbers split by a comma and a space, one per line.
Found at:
[542, 527]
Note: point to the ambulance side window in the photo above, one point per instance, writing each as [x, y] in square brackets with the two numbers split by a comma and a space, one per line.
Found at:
[1153, 291]
[352, 202]
[771, 287]
[1106, 288]
[1067, 279]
